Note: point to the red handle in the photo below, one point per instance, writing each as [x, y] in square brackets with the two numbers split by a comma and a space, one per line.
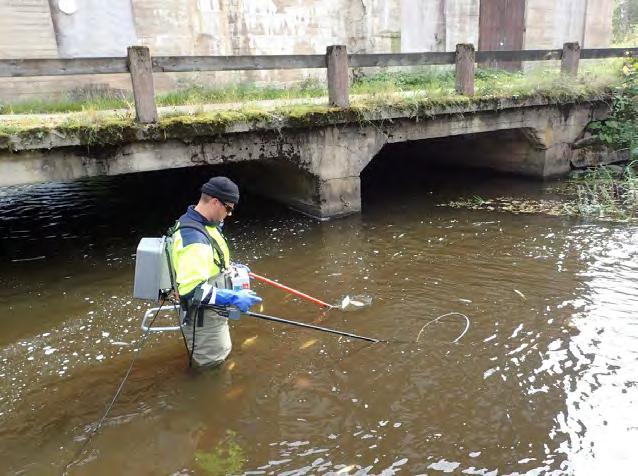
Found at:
[290, 290]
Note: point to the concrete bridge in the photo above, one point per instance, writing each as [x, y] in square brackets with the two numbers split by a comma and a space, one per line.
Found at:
[314, 164]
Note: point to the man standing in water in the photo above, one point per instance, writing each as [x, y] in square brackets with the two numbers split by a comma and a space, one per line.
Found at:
[200, 256]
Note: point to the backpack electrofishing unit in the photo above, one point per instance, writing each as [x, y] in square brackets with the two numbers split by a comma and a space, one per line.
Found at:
[155, 279]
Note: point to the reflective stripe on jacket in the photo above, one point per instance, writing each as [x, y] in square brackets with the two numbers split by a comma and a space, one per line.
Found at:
[194, 259]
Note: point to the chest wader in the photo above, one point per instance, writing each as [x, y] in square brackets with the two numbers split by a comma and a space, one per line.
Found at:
[193, 306]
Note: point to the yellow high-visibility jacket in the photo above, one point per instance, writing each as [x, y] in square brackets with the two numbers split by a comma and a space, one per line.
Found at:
[194, 259]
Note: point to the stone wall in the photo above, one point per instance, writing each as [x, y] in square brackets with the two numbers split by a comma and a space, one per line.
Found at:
[94, 28]
[462, 22]
[598, 30]
[588, 22]
[423, 26]
[193, 27]
[585, 21]
[439, 25]
[26, 30]
[569, 22]
[75, 28]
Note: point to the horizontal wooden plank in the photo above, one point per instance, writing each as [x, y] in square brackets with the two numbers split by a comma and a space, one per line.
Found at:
[14, 68]
[598, 53]
[522, 55]
[177, 64]
[400, 59]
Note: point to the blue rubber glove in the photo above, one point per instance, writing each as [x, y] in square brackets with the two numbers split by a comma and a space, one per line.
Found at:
[243, 298]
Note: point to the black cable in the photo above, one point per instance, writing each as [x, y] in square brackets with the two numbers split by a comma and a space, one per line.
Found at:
[181, 330]
[190, 354]
[81, 450]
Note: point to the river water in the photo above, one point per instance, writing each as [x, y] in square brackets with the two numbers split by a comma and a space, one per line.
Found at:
[543, 382]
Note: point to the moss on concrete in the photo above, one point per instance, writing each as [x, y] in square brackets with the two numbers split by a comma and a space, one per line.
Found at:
[205, 124]
[95, 130]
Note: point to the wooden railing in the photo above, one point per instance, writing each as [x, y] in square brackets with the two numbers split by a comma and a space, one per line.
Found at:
[337, 61]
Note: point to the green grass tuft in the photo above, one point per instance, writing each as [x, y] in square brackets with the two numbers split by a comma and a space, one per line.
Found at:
[609, 192]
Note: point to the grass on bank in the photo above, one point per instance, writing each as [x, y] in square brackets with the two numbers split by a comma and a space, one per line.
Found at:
[432, 82]
[595, 80]
[603, 193]
[608, 192]
[415, 92]
[191, 95]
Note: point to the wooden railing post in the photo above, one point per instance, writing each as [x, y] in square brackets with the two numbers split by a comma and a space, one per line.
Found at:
[338, 81]
[571, 58]
[141, 69]
[465, 59]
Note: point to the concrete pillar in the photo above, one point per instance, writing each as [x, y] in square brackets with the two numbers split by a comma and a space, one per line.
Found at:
[318, 198]
[328, 164]
[307, 192]
[338, 197]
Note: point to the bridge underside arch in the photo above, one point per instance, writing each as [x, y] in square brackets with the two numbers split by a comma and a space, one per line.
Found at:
[416, 164]
[513, 151]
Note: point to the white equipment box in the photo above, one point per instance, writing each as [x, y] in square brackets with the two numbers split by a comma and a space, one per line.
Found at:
[152, 275]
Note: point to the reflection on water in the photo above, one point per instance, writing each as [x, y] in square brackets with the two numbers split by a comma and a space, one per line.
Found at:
[599, 420]
[543, 382]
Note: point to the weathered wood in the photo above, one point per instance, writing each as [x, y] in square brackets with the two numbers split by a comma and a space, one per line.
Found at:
[182, 64]
[465, 59]
[15, 68]
[570, 60]
[400, 59]
[598, 53]
[71, 66]
[140, 66]
[338, 80]
[523, 55]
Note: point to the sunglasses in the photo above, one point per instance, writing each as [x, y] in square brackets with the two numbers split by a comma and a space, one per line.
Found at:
[229, 208]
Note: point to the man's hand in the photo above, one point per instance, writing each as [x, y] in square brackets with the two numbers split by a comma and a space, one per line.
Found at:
[243, 298]
[246, 299]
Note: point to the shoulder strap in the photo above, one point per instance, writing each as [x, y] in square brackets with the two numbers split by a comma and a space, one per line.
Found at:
[221, 263]
[171, 271]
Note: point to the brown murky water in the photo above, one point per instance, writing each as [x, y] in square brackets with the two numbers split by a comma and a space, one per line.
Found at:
[543, 382]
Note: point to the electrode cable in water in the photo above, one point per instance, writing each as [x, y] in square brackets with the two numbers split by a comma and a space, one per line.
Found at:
[436, 319]
[109, 407]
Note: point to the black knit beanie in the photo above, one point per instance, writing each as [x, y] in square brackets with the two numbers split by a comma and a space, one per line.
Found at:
[222, 188]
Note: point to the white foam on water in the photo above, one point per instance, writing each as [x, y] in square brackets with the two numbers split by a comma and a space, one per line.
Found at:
[355, 302]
